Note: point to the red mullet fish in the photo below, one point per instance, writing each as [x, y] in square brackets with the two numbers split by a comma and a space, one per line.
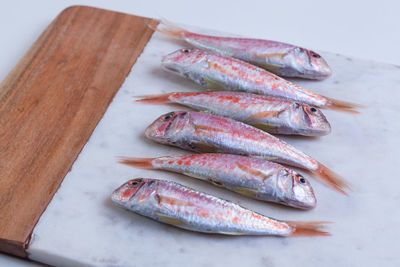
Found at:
[255, 178]
[271, 114]
[171, 203]
[280, 58]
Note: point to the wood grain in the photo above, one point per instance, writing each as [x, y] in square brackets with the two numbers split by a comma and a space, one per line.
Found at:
[50, 104]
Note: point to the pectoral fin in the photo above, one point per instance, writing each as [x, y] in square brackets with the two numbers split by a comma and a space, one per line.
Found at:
[266, 127]
[207, 111]
[248, 192]
[211, 84]
[263, 114]
[202, 147]
[266, 64]
[170, 220]
[270, 55]
[232, 233]
[270, 158]
[271, 67]
[209, 129]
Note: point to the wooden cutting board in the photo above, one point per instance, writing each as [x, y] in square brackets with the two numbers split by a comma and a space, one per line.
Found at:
[50, 104]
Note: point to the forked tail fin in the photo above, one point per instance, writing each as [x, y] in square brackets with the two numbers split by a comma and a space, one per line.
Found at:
[168, 28]
[308, 228]
[343, 106]
[332, 179]
[142, 163]
[154, 99]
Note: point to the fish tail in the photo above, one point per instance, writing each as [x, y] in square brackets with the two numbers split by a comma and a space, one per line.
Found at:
[343, 106]
[142, 163]
[168, 28]
[333, 179]
[155, 99]
[308, 228]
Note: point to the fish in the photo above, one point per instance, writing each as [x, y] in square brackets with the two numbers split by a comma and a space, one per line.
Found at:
[218, 72]
[271, 114]
[282, 59]
[203, 132]
[255, 178]
[175, 204]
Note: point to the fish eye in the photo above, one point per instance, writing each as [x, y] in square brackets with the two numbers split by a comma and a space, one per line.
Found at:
[312, 109]
[315, 55]
[301, 179]
[185, 51]
[168, 116]
[135, 182]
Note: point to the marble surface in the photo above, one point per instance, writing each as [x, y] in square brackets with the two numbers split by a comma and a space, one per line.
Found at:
[81, 226]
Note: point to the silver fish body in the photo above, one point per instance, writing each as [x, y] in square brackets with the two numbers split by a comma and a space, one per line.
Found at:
[183, 207]
[280, 58]
[271, 114]
[202, 132]
[255, 178]
[223, 73]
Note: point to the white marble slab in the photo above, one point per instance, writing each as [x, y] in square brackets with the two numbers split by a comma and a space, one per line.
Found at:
[81, 226]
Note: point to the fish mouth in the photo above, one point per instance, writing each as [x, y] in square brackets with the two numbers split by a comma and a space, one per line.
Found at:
[159, 129]
[303, 198]
[317, 131]
[169, 68]
[315, 125]
[125, 192]
[149, 132]
[325, 72]
[168, 63]
[323, 131]
[304, 204]
[321, 126]
[116, 195]
[317, 68]
[153, 132]
[319, 74]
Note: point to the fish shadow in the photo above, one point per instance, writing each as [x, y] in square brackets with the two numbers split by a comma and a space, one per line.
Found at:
[297, 137]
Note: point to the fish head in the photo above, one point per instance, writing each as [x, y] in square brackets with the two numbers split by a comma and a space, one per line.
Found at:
[166, 127]
[309, 120]
[318, 66]
[180, 60]
[126, 192]
[295, 190]
[310, 64]
[133, 192]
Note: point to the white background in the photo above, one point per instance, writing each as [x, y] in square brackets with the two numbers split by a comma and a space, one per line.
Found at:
[363, 29]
